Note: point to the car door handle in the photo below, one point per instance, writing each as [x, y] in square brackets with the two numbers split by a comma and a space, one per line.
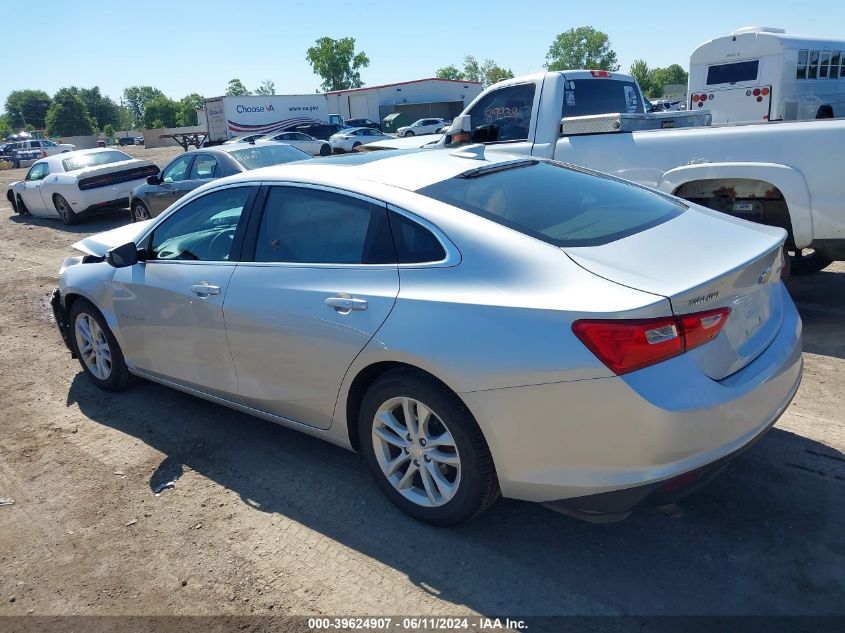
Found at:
[204, 289]
[345, 304]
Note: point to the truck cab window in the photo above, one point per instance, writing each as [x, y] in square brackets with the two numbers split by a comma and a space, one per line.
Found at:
[503, 115]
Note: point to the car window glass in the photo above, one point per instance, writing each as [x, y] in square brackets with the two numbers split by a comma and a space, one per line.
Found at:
[35, 143]
[203, 229]
[301, 225]
[177, 170]
[38, 172]
[204, 167]
[503, 115]
[48, 143]
[414, 243]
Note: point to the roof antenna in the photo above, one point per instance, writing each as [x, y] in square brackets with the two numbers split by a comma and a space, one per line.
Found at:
[475, 152]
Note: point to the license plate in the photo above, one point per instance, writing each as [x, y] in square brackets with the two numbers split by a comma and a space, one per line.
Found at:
[743, 206]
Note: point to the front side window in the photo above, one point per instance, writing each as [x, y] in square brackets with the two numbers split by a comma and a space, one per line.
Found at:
[39, 171]
[311, 226]
[177, 170]
[202, 230]
[204, 167]
[738, 72]
[559, 205]
[48, 144]
[503, 115]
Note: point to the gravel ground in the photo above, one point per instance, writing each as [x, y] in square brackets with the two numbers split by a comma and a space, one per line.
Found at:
[263, 520]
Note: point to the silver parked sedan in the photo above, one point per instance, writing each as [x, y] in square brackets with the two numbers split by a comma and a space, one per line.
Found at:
[473, 325]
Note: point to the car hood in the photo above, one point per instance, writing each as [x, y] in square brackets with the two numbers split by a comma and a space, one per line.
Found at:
[101, 243]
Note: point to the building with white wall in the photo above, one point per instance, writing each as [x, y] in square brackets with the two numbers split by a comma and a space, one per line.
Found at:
[432, 97]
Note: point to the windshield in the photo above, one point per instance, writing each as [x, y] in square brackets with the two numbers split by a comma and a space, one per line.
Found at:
[94, 160]
[266, 155]
[583, 97]
[559, 205]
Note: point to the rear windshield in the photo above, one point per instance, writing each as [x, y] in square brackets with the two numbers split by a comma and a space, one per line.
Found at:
[556, 204]
[94, 160]
[266, 155]
[732, 73]
[582, 97]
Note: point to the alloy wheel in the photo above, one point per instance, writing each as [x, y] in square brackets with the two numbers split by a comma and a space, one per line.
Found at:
[416, 452]
[140, 212]
[93, 346]
[62, 208]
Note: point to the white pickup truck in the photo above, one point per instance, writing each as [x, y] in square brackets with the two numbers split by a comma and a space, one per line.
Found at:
[783, 174]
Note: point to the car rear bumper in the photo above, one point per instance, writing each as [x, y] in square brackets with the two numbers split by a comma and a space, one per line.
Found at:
[102, 207]
[579, 439]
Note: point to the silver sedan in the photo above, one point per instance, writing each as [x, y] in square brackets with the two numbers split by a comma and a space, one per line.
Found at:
[473, 325]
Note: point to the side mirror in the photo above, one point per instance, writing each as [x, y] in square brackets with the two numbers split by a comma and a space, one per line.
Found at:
[124, 256]
[153, 180]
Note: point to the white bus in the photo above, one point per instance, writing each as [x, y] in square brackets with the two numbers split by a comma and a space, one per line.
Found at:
[763, 74]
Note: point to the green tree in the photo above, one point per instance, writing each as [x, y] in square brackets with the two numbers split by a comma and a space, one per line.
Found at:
[27, 107]
[5, 126]
[584, 47]
[236, 88]
[485, 73]
[102, 109]
[662, 77]
[68, 115]
[643, 74]
[188, 106]
[337, 63]
[108, 130]
[267, 88]
[449, 72]
[160, 112]
[136, 98]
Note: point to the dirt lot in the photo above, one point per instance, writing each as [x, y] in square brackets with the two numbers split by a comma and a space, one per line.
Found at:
[265, 520]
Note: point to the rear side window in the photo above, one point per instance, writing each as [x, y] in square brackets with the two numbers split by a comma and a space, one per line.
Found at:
[414, 243]
[310, 226]
[556, 204]
[583, 97]
[732, 73]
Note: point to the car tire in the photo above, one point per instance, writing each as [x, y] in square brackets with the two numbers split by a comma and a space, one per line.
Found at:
[325, 150]
[65, 212]
[409, 133]
[355, 146]
[439, 484]
[806, 264]
[20, 207]
[11, 198]
[139, 212]
[96, 347]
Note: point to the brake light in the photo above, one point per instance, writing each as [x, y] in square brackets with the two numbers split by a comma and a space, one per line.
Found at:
[756, 92]
[764, 91]
[695, 97]
[600, 73]
[628, 345]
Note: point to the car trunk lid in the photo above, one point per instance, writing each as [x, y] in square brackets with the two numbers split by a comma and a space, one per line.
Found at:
[703, 260]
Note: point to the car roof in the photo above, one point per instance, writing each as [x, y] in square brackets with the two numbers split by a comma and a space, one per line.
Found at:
[405, 169]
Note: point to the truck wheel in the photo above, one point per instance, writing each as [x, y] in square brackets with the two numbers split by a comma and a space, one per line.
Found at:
[806, 261]
[65, 212]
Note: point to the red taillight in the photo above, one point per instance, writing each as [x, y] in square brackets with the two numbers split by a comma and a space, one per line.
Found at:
[704, 97]
[695, 98]
[600, 73]
[756, 92]
[764, 91]
[627, 345]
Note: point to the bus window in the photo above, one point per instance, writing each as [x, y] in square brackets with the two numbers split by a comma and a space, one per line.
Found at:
[813, 69]
[733, 73]
[834, 65]
[824, 62]
[802, 64]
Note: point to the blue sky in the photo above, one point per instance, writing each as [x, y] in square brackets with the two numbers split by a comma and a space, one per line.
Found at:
[114, 44]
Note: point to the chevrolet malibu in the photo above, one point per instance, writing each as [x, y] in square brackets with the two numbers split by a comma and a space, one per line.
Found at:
[473, 325]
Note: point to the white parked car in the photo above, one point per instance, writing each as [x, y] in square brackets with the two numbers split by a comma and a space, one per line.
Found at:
[48, 148]
[313, 146]
[79, 183]
[422, 126]
[349, 140]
